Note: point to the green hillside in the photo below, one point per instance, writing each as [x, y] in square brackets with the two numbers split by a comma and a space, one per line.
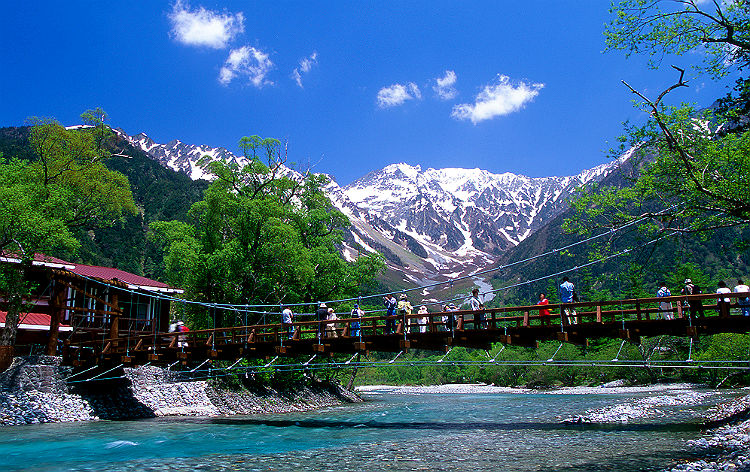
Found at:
[160, 193]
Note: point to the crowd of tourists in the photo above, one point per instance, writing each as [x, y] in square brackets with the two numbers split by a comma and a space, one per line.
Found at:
[401, 310]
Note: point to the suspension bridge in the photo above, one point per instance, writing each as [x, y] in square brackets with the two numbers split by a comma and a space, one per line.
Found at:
[628, 320]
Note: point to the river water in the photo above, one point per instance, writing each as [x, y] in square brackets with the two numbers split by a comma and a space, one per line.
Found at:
[390, 431]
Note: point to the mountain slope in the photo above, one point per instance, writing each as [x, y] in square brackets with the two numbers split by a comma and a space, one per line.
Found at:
[438, 221]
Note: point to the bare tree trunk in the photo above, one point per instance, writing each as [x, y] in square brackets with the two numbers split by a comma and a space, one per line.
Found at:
[350, 385]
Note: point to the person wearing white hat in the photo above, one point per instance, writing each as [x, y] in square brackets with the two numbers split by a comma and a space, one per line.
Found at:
[696, 306]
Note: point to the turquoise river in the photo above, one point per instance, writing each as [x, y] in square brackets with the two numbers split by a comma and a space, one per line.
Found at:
[389, 431]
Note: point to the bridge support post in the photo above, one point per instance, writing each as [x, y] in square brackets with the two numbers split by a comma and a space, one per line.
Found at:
[56, 304]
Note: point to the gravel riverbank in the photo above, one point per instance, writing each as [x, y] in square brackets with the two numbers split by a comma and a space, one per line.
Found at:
[34, 390]
[725, 445]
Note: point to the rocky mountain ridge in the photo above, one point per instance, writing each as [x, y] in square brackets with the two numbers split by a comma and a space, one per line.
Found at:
[448, 221]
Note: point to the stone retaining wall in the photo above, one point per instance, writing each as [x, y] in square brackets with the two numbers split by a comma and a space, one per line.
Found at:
[34, 390]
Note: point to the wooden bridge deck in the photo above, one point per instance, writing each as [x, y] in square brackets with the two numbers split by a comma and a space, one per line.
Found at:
[520, 325]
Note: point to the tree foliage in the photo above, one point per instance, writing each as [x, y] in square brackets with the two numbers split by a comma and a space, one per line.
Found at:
[691, 168]
[64, 188]
[262, 236]
[720, 30]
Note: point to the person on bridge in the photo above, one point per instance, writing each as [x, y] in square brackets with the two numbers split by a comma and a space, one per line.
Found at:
[696, 306]
[286, 321]
[424, 320]
[543, 312]
[452, 319]
[743, 302]
[665, 307]
[405, 309]
[567, 295]
[390, 313]
[476, 305]
[356, 313]
[182, 339]
[722, 304]
[331, 328]
[322, 315]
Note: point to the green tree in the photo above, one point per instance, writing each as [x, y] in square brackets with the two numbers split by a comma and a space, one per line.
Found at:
[64, 188]
[720, 30]
[691, 169]
[261, 236]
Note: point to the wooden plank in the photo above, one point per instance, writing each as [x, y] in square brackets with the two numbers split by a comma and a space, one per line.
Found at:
[599, 314]
[526, 319]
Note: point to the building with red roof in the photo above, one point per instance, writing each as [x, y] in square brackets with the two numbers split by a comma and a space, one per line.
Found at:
[84, 301]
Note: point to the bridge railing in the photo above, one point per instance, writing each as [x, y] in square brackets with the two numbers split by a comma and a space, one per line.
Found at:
[435, 322]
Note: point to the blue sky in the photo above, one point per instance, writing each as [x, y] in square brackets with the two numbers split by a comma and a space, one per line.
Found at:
[353, 86]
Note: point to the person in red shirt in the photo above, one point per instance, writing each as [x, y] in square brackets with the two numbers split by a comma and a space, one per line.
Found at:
[182, 339]
[543, 312]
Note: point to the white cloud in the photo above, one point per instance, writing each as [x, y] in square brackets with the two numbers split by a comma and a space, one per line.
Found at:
[444, 86]
[305, 64]
[203, 27]
[498, 99]
[246, 62]
[397, 94]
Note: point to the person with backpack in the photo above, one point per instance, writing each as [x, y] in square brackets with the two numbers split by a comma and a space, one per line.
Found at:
[355, 325]
[404, 309]
[696, 306]
[390, 313]
[322, 315]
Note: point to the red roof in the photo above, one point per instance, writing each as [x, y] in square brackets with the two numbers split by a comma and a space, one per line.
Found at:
[102, 273]
[108, 273]
[33, 321]
[50, 259]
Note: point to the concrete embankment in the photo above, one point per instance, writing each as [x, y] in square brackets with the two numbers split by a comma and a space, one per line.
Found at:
[34, 390]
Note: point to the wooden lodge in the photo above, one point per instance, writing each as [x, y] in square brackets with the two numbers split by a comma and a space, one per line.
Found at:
[72, 301]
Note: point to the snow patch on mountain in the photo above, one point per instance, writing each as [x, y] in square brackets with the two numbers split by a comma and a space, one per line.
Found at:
[423, 221]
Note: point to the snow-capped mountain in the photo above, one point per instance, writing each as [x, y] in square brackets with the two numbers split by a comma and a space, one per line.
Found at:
[424, 222]
[453, 220]
[182, 157]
